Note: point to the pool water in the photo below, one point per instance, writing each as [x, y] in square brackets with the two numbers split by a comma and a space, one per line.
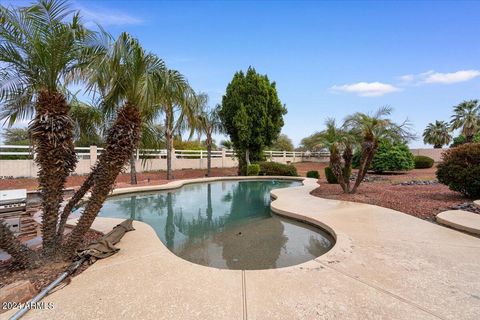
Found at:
[225, 224]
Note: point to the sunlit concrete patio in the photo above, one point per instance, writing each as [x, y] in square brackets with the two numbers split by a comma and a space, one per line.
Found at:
[384, 265]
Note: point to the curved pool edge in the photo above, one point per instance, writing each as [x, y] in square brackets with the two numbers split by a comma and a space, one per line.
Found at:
[176, 184]
[308, 185]
[385, 264]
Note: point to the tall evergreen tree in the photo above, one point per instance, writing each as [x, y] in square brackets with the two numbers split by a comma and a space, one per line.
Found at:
[251, 114]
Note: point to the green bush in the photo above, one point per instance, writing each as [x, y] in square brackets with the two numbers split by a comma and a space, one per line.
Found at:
[460, 169]
[389, 157]
[392, 157]
[331, 178]
[268, 168]
[423, 162]
[313, 174]
[253, 170]
[457, 141]
[356, 159]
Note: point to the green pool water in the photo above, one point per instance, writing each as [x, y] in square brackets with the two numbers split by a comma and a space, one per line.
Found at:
[225, 224]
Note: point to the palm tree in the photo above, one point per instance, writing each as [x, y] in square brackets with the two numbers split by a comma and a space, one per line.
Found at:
[131, 74]
[372, 128]
[208, 122]
[176, 101]
[467, 117]
[39, 45]
[340, 143]
[438, 134]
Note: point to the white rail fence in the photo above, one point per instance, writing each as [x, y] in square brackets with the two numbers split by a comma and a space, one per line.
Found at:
[18, 161]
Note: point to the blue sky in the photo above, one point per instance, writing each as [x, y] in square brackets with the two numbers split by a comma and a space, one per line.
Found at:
[329, 59]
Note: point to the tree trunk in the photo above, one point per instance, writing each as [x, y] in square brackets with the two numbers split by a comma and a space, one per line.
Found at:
[133, 169]
[437, 146]
[347, 164]
[336, 166]
[22, 256]
[169, 140]
[247, 157]
[122, 140]
[87, 184]
[209, 156]
[52, 137]
[368, 151]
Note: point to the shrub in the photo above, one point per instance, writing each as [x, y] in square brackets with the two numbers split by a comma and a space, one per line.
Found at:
[392, 157]
[423, 162]
[313, 174]
[356, 159]
[330, 176]
[253, 170]
[457, 141]
[460, 169]
[268, 168]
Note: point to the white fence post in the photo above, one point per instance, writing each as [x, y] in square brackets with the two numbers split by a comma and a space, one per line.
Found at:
[93, 155]
[285, 156]
[224, 151]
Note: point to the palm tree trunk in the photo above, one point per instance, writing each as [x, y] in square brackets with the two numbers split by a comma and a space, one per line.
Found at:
[368, 151]
[169, 141]
[22, 256]
[133, 169]
[122, 140]
[347, 166]
[52, 136]
[87, 184]
[209, 156]
[336, 166]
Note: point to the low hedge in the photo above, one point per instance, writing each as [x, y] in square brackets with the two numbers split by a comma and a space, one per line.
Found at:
[313, 174]
[423, 162]
[253, 170]
[268, 168]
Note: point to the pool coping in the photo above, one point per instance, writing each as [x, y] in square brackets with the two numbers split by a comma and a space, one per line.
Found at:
[384, 264]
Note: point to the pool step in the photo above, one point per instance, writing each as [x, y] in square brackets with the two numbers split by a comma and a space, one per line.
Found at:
[460, 220]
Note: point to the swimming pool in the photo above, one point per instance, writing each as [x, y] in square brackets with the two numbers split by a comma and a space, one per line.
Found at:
[224, 224]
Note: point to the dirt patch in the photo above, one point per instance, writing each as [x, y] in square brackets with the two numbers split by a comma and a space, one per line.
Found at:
[41, 277]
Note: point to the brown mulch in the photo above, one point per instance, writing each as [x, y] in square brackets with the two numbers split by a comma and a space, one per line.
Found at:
[42, 276]
[423, 201]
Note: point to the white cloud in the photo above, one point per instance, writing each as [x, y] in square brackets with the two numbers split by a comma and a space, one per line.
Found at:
[439, 77]
[367, 89]
[107, 17]
[452, 77]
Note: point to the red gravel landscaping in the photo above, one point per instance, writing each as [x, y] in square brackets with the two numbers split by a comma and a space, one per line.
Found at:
[123, 180]
[423, 201]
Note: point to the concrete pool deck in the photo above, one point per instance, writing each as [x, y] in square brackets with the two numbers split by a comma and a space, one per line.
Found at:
[384, 265]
